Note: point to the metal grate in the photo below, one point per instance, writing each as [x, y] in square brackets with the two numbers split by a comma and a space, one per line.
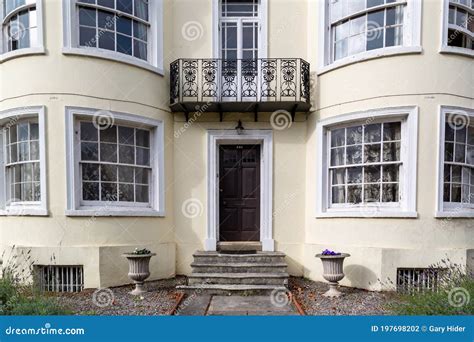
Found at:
[412, 280]
[53, 278]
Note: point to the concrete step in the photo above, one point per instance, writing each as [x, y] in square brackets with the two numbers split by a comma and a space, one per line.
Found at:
[259, 257]
[239, 246]
[218, 289]
[243, 267]
[239, 278]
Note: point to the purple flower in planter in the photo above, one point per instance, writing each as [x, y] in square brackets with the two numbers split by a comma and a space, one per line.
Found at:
[329, 252]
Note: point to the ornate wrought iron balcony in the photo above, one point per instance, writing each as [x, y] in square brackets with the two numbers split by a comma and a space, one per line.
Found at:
[256, 85]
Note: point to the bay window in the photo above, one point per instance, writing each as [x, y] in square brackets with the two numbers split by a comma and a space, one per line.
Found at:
[116, 167]
[458, 28]
[128, 31]
[370, 167]
[357, 29]
[456, 169]
[21, 27]
[23, 162]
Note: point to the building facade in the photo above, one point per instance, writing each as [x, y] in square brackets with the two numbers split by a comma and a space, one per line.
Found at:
[296, 125]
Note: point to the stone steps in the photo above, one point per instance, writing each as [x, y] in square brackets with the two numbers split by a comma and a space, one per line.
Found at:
[249, 272]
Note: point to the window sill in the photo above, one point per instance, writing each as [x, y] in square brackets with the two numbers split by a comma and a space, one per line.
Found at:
[454, 214]
[22, 52]
[367, 214]
[456, 51]
[24, 212]
[114, 56]
[114, 212]
[368, 55]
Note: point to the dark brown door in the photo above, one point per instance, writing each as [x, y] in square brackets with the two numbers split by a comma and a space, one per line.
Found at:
[239, 192]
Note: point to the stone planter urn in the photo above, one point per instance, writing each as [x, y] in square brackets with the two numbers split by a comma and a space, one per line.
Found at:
[138, 269]
[333, 271]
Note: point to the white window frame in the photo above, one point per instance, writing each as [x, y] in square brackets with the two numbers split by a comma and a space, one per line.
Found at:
[263, 29]
[453, 210]
[157, 185]
[39, 49]
[155, 39]
[411, 38]
[445, 48]
[408, 154]
[9, 117]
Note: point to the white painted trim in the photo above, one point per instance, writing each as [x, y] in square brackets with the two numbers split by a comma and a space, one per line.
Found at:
[38, 49]
[263, 30]
[157, 198]
[411, 42]
[155, 62]
[443, 211]
[15, 114]
[265, 138]
[407, 208]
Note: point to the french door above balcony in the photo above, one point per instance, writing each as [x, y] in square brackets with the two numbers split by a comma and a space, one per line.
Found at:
[239, 39]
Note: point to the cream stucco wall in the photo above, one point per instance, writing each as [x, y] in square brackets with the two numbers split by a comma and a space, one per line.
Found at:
[378, 246]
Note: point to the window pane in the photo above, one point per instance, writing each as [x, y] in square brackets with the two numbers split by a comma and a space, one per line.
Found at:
[87, 37]
[90, 191]
[109, 134]
[26, 172]
[23, 151]
[337, 156]
[341, 49]
[470, 138]
[447, 192]
[456, 193]
[337, 137]
[375, 39]
[372, 133]
[449, 152]
[108, 152]
[372, 153]
[338, 194]
[87, 17]
[106, 20]
[470, 156]
[141, 193]
[107, 40]
[139, 49]
[372, 193]
[141, 176]
[456, 174]
[126, 135]
[354, 194]
[140, 30]
[36, 172]
[124, 25]
[125, 6]
[391, 151]
[34, 150]
[354, 135]
[23, 132]
[34, 135]
[391, 131]
[13, 134]
[14, 153]
[357, 44]
[461, 133]
[143, 156]
[126, 154]
[126, 192]
[141, 9]
[339, 176]
[143, 138]
[108, 192]
[108, 173]
[372, 174]
[124, 44]
[88, 132]
[460, 153]
[373, 3]
[27, 192]
[106, 3]
[448, 132]
[125, 174]
[354, 154]
[390, 173]
[89, 151]
[390, 193]
[354, 175]
[90, 172]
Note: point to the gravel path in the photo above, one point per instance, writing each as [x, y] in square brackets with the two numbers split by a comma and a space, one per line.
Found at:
[116, 301]
[354, 302]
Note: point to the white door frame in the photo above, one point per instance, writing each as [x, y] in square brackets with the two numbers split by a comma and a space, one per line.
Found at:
[265, 139]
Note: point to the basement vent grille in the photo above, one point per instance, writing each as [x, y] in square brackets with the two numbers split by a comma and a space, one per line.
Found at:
[412, 280]
[53, 278]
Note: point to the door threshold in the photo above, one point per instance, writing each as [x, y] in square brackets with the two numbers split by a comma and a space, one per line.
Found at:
[239, 246]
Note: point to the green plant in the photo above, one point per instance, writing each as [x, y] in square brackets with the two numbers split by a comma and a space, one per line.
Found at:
[143, 251]
[454, 294]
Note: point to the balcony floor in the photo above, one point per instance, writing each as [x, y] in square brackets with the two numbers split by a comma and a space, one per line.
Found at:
[240, 107]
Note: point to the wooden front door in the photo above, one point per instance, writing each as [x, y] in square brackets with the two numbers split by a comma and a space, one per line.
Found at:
[239, 192]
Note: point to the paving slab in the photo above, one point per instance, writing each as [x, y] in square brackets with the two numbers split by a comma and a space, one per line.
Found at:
[249, 306]
[193, 305]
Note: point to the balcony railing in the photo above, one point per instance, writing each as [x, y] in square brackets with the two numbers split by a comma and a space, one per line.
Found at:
[218, 85]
